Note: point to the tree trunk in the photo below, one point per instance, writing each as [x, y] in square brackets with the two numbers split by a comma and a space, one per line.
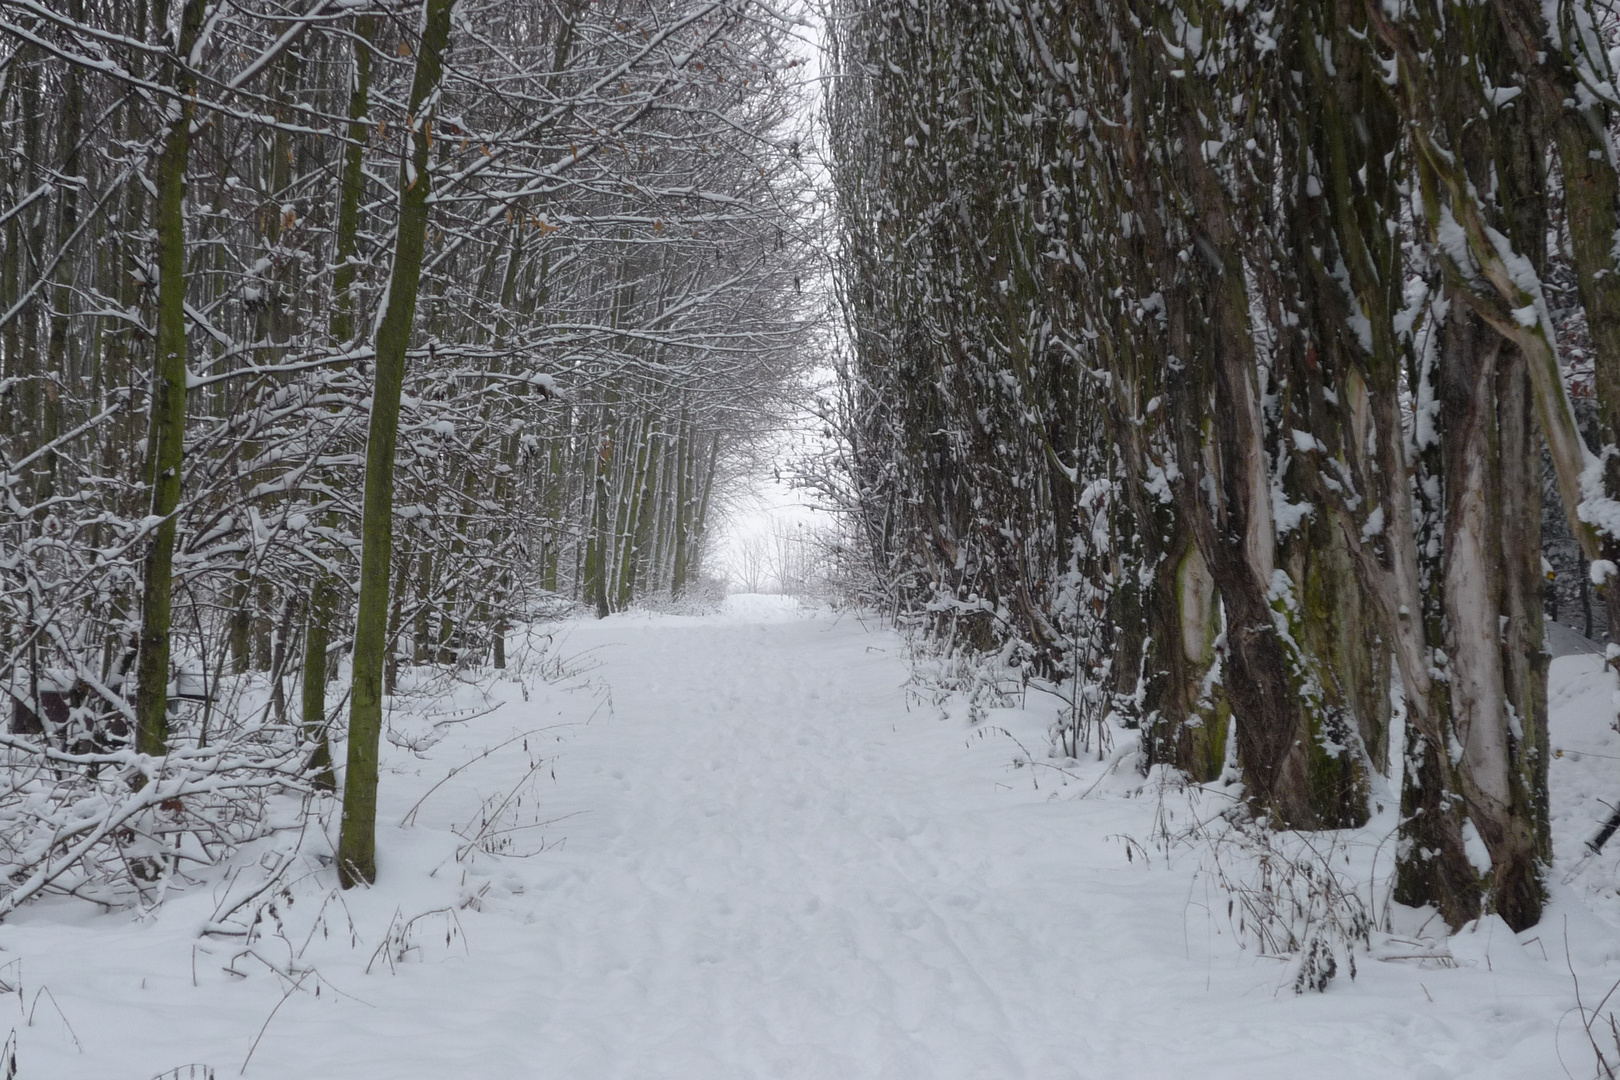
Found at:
[1476, 576]
[1579, 123]
[683, 506]
[357, 842]
[600, 554]
[638, 494]
[57, 374]
[166, 444]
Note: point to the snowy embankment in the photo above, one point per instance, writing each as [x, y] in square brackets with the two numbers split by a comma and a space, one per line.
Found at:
[739, 848]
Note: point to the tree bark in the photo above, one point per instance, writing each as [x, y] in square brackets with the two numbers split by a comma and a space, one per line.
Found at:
[1477, 575]
[324, 590]
[166, 443]
[357, 843]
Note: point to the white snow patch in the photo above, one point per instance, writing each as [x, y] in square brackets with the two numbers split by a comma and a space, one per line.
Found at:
[781, 862]
[1479, 856]
[1374, 525]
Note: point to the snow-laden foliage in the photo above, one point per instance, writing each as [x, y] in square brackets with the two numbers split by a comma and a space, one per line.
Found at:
[203, 207]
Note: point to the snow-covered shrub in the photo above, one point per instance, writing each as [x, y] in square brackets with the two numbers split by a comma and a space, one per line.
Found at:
[943, 668]
[703, 595]
[119, 828]
[1286, 894]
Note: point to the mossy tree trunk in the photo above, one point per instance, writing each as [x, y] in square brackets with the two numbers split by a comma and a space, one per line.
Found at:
[166, 442]
[1348, 129]
[1496, 673]
[357, 843]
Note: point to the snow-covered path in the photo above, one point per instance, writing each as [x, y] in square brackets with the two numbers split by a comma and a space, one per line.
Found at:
[773, 868]
[779, 883]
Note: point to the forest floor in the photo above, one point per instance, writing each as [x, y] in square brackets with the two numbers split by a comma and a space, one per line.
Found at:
[749, 846]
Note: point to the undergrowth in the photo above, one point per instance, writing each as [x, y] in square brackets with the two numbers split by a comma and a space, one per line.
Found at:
[1289, 895]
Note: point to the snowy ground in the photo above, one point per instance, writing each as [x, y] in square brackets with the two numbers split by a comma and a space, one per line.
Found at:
[763, 858]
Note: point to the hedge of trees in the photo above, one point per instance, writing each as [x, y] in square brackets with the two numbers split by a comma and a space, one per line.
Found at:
[1213, 350]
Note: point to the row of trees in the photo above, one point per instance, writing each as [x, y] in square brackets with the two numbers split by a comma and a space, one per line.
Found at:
[793, 558]
[1212, 351]
[378, 322]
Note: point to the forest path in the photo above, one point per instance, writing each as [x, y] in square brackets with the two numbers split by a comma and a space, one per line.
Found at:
[775, 882]
[773, 866]
[783, 868]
